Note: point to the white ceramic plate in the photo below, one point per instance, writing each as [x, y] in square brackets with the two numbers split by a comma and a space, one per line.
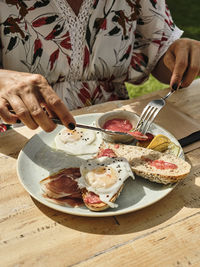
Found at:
[38, 159]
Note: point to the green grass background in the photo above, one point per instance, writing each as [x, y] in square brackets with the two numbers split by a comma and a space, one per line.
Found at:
[186, 15]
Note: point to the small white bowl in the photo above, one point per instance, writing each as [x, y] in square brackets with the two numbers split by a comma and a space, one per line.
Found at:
[118, 114]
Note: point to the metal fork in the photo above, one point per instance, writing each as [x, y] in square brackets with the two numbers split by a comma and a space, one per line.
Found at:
[150, 112]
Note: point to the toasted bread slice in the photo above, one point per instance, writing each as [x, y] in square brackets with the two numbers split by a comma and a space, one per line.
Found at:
[99, 206]
[139, 159]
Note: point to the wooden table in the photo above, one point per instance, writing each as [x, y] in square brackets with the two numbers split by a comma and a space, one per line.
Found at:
[163, 234]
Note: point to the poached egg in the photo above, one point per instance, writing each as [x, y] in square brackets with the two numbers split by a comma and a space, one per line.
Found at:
[104, 176]
[78, 142]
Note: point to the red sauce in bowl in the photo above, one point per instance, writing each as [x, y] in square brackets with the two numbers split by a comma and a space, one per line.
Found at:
[119, 125]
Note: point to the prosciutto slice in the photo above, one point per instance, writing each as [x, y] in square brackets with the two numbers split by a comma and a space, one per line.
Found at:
[62, 184]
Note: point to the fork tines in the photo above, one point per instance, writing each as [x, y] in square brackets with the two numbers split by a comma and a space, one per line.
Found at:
[148, 115]
[150, 111]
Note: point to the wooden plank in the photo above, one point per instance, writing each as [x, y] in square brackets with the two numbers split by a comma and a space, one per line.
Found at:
[175, 245]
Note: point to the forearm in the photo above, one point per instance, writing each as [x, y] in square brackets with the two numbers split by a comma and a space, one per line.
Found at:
[161, 72]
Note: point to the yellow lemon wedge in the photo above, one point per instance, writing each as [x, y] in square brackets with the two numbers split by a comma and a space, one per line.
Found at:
[159, 143]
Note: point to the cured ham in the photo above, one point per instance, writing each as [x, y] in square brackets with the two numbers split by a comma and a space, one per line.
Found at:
[62, 187]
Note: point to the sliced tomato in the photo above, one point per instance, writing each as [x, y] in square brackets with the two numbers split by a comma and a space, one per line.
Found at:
[161, 164]
[92, 198]
[107, 153]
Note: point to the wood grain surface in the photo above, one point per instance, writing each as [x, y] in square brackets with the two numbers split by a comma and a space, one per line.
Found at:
[163, 234]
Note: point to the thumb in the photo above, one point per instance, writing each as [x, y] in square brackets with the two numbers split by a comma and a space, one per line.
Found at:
[177, 63]
[169, 61]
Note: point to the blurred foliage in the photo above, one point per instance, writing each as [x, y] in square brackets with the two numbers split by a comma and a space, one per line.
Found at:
[149, 86]
[186, 15]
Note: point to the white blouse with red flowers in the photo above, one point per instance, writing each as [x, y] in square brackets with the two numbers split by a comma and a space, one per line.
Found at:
[86, 58]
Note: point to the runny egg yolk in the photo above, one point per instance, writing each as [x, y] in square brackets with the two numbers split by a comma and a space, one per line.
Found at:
[69, 136]
[101, 177]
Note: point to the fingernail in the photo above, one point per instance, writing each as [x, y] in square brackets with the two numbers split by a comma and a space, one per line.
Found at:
[71, 126]
[18, 121]
[175, 86]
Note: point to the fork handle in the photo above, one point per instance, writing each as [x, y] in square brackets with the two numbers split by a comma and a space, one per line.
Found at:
[167, 95]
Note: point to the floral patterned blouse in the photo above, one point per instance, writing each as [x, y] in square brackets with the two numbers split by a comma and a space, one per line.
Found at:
[86, 58]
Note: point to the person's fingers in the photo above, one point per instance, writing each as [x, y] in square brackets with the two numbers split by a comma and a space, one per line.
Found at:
[22, 112]
[5, 114]
[25, 95]
[50, 112]
[37, 112]
[182, 59]
[193, 68]
[169, 61]
[56, 105]
[180, 67]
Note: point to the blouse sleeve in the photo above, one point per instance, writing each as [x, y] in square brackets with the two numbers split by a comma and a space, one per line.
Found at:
[155, 31]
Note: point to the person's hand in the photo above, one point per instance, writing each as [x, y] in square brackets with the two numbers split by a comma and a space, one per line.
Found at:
[183, 60]
[26, 94]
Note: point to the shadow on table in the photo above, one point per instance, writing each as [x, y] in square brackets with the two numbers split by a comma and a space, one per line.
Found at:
[144, 219]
